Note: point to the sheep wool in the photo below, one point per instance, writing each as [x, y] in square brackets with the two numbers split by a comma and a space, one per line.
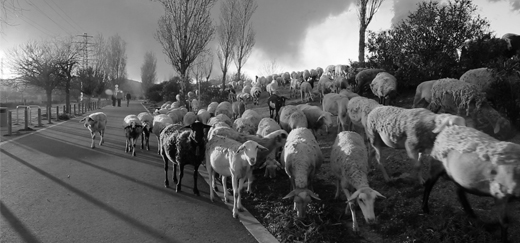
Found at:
[349, 159]
[469, 140]
[302, 153]
[358, 109]
[267, 125]
[462, 94]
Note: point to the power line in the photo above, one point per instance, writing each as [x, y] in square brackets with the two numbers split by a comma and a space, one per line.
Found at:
[41, 11]
[36, 25]
[67, 15]
[66, 21]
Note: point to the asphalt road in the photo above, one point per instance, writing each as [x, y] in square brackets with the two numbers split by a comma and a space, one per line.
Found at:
[55, 188]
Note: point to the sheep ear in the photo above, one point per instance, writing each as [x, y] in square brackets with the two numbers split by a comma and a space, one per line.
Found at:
[262, 148]
[354, 196]
[207, 126]
[83, 119]
[290, 195]
[242, 147]
[378, 194]
[497, 127]
[313, 195]
[441, 126]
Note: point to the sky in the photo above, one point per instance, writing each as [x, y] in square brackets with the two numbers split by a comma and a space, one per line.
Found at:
[293, 34]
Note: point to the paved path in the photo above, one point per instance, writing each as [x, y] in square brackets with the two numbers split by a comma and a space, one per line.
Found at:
[54, 188]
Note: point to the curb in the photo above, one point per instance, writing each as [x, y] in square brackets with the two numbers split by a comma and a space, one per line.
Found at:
[255, 228]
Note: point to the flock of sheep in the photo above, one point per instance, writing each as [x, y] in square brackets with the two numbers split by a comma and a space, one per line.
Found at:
[233, 140]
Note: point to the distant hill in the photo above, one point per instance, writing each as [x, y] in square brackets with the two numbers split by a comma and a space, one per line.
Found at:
[135, 88]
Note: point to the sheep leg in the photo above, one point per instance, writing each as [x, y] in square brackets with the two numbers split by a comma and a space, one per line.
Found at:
[158, 145]
[464, 201]
[93, 136]
[126, 146]
[133, 141]
[436, 170]
[211, 176]
[416, 157]
[181, 174]
[350, 204]
[234, 182]
[195, 177]
[224, 188]
[240, 186]
[250, 179]
[142, 141]
[148, 142]
[166, 161]
[102, 135]
[502, 217]
[337, 188]
[377, 149]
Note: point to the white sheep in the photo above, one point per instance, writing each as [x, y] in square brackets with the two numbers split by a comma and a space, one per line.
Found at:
[306, 90]
[253, 117]
[195, 105]
[271, 166]
[133, 129]
[317, 119]
[291, 117]
[326, 85]
[177, 116]
[302, 158]
[343, 120]
[267, 125]
[384, 86]
[423, 94]
[244, 126]
[166, 105]
[330, 103]
[224, 108]
[147, 121]
[255, 94]
[412, 129]
[349, 165]
[189, 118]
[478, 164]
[238, 108]
[159, 123]
[232, 159]
[212, 107]
[95, 122]
[203, 116]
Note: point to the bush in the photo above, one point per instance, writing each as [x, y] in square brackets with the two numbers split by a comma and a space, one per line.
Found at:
[154, 93]
[506, 89]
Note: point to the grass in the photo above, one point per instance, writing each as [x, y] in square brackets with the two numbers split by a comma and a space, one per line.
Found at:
[400, 216]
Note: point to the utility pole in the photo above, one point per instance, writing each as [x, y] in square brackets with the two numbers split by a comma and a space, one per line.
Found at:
[85, 48]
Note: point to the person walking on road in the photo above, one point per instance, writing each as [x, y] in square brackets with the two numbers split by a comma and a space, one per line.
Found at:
[119, 97]
[128, 97]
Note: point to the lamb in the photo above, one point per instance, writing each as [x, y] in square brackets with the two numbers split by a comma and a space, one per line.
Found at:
[364, 78]
[478, 164]
[317, 119]
[147, 121]
[255, 93]
[133, 129]
[291, 117]
[182, 145]
[212, 107]
[271, 166]
[238, 108]
[423, 94]
[203, 116]
[95, 122]
[275, 102]
[232, 159]
[306, 89]
[266, 126]
[384, 86]
[412, 129]
[349, 165]
[224, 108]
[302, 157]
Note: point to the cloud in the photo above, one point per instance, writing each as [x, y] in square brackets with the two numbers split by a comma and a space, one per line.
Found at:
[515, 4]
[402, 8]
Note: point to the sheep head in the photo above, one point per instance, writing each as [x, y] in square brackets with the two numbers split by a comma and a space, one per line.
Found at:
[88, 121]
[501, 123]
[302, 197]
[443, 120]
[325, 121]
[365, 198]
[249, 150]
[197, 131]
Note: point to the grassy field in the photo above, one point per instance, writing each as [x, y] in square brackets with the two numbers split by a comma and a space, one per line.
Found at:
[400, 216]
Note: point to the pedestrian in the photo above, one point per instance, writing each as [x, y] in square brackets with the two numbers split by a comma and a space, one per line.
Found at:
[113, 99]
[119, 97]
[128, 97]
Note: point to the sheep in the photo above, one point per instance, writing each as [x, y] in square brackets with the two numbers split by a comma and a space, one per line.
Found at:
[244, 126]
[220, 118]
[224, 108]
[255, 93]
[302, 158]
[319, 70]
[349, 165]
[232, 159]
[326, 85]
[95, 122]
[341, 70]
[412, 129]
[253, 117]
[330, 103]
[306, 75]
[244, 97]
[189, 118]
[203, 116]
[271, 165]
[286, 78]
[166, 105]
[483, 78]
[317, 119]
[182, 145]
[358, 109]
[364, 78]
[306, 89]
[133, 129]
[195, 105]
[349, 94]
[246, 89]
[147, 121]
[423, 94]
[212, 107]
[159, 123]
[266, 126]
[238, 108]
[341, 83]
[291, 117]
[177, 116]
[478, 164]
[384, 86]
[329, 70]
[343, 120]
[274, 103]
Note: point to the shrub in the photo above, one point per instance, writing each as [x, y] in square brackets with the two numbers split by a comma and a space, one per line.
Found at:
[154, 92]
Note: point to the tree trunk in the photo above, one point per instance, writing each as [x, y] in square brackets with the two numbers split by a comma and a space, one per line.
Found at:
[224, 73]
[48, 91]
[362, 29]
[239, 69]
[67, 96]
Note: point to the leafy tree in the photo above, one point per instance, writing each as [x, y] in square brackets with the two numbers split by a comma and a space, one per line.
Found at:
[424, 46]
[245, 34]
[227, 36]
[154, 92]
[171, 88]
[148, 70]
[116, 60]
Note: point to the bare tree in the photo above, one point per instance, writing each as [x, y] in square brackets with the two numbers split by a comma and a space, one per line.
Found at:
[149, 70]
[366, 11]
[35, 63]
[271, 68]
[116, 60]
[227, 31]
[7, 8]
[202, 68]
[184, 31]
[95, 78]
[245, 33]
[67, 60]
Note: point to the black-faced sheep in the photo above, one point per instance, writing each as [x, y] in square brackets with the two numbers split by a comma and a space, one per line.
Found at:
[133, 129]
[95, 123]
[363, 80]
[183, 145]
[147, 122]
[478, 164]
[412, 129]
[275, 102]
[384, 86]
